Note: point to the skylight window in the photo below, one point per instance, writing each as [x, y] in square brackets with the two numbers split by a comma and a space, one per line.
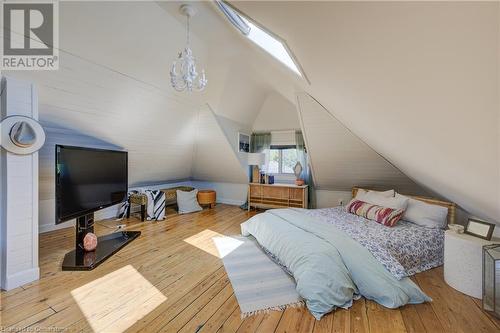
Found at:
[261, 37]
[270, 44]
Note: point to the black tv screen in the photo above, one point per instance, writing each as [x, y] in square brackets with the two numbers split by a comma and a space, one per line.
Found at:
[88, 179]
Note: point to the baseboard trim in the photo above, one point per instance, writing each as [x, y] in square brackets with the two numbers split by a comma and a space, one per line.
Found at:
[232, 202]
[21, 278]
[51, 227]
[134, 209]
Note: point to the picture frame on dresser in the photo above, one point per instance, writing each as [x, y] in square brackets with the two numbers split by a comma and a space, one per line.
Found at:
[478, 228]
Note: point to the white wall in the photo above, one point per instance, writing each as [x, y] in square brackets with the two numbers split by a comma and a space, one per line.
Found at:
[213, 152]
[277, 113]
[410, 79]
[3, 216]
[278, 116]
[227, 193]
[47, 171]
[417, 81]
[47, 214]
[19, 173]
[326, 199]
[231, 129]
[117, 95]
[214, 157]
[340, 160]
[235, 94]
[113, 91]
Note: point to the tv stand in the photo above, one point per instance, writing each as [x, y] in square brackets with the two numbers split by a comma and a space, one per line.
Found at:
[81, 260]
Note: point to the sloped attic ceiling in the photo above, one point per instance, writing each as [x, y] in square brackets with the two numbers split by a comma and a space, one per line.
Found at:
[413, 80]
[214, 158]
[111, 88]
[241, 74]
[113, 83]
[340, 160]
[417, 81]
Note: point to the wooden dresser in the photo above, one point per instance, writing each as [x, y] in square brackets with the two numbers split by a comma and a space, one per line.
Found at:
[276, 195]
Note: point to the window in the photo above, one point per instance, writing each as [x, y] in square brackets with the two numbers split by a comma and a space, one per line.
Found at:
[266, 40]
[282, 159]
[271, 45]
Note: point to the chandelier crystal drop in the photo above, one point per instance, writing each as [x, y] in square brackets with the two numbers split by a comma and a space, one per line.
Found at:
[183, 74]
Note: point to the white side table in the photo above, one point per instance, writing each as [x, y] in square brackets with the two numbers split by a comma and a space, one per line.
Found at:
[463, 262]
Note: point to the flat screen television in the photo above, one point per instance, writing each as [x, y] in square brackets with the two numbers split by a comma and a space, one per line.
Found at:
[88, 179]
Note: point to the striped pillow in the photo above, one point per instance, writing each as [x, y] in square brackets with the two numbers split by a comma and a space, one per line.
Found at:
[386, 216]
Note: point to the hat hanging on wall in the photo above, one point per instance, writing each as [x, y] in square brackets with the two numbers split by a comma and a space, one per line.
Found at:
[21, 135]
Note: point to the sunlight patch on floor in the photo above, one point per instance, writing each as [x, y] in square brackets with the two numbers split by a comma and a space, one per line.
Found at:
[226, 245]
[205, 240]
[117, 300]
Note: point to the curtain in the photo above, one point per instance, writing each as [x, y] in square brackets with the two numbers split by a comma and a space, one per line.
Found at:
[306, 174]
[260, 142]
[301, 154]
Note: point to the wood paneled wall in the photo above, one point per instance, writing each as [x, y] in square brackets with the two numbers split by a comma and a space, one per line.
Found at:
[215, 159]
[340, 160]
[19, 187]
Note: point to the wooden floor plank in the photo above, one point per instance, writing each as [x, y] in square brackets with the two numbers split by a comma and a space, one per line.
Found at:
[175, 305]
[14, 315]
[33, 319]
[412, 321]
[201, 316]
[178, 260]
[341, 321]
[186, 310]
[214, 323]
[67, 280]
[250, 324]
[232, 323]
[296, 320]
[325, 325]
[456, 311]
[495, 320]
[269, 322]
[381, 319]
[359, 319]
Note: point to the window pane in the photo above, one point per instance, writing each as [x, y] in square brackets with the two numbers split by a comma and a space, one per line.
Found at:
[289, 160]
[270, 44]
[274, 161]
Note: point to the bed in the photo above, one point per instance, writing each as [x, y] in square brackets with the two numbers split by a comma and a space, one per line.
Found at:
[336, 257]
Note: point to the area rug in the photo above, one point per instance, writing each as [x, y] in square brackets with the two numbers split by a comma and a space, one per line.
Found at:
[260, 285]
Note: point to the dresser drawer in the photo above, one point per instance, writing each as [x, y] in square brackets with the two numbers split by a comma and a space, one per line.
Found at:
[277, 195]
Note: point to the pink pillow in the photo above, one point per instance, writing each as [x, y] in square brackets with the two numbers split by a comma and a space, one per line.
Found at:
[383, 215]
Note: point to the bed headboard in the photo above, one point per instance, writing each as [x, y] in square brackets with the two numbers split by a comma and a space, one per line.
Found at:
[452, 207]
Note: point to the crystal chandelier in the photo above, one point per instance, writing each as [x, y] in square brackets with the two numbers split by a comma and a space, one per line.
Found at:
[185, 76]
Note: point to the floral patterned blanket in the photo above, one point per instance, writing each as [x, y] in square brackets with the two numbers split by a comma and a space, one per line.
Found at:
[404, 249]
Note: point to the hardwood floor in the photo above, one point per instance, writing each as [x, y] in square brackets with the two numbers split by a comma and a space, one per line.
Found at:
[171, 280]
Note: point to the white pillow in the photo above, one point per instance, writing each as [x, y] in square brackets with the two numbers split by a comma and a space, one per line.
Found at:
[424, 214]
[187, 201]
[362, 193]
[388, 202]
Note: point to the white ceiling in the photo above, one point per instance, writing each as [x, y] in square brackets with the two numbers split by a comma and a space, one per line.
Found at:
[339, 159]
[214, 158]
[240, 73]
[416, 81]
[113, 85]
